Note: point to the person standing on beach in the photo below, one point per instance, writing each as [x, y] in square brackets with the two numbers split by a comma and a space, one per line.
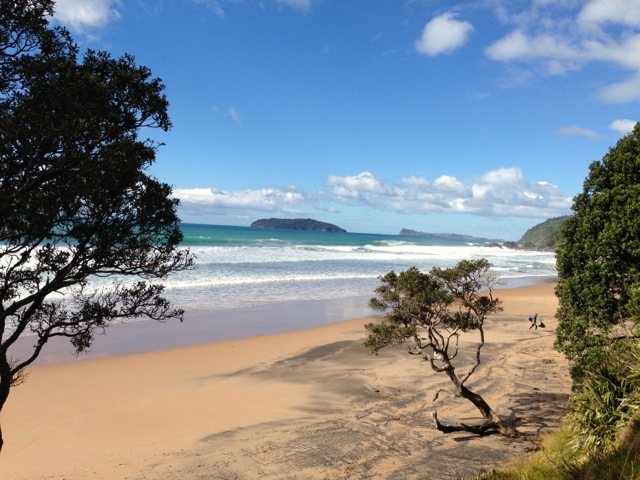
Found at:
[534, 321]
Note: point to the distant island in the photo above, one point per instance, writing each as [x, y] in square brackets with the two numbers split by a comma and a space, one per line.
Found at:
[405, 232]
[297, 224]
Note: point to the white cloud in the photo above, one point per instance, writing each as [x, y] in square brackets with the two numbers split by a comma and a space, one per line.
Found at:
[501, 176]
[557, 55]
[622, 92]
[623, 126]
[626, 12]
[414, 181]
[85, 14]
[269, 199]
[624, 53]
[512, 47]
[216, 5]
[443, 34]
[360, 186]
[557, 37]
[231, 113]
[575, 131]
[500, 192]
[503, 192]
[446, 183]
[298, 4]
[212, 5]
[234, 115]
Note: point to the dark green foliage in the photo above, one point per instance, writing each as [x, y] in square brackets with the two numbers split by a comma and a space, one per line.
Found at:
[599, 261]
[418, 303]
[427, 312]
[415, 299]
[75, 199]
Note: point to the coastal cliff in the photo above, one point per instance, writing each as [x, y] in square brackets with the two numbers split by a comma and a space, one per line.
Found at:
[297, 224]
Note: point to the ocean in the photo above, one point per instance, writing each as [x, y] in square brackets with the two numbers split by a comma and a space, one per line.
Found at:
[240, 267]
[249, 282]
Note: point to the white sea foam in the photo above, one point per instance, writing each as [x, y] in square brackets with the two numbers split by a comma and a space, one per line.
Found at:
[230, 277]
[235, 268]
[221, 255]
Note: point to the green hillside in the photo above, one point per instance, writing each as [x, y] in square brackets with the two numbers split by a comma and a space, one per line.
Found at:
[544, 236]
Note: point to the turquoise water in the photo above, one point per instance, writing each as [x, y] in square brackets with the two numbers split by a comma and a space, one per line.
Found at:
[250, 281]
[239, 267]
[219, 235]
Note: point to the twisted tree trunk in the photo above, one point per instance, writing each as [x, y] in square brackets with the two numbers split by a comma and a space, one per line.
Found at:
[492, 424]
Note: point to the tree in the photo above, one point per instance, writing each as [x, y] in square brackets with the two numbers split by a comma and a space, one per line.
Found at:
[76, 202]
[599, 261]
[428, 312]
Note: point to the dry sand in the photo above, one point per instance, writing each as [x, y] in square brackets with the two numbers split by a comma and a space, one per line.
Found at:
[303, 405]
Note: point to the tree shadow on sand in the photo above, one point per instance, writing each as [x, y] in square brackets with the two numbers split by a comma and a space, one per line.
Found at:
[538, 411]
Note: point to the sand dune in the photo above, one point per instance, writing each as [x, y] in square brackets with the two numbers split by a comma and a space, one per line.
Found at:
[303, 405]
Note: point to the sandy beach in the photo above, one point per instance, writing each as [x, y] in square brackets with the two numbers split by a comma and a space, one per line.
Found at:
[312, 404]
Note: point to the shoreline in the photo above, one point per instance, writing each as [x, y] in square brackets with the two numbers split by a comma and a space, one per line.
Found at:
[306, 404]
[203, 326]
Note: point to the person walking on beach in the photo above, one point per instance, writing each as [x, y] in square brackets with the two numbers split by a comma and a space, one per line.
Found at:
[534, 321]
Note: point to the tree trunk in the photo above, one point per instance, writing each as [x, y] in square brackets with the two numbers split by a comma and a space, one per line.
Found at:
[488, 414]
[5, 386]
[493, 423]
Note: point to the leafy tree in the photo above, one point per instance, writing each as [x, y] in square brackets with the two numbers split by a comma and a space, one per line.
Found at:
[599, 261]
[428, 312]
[76, 202]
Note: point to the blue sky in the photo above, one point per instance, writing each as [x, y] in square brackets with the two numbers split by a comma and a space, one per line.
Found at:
[473, 117]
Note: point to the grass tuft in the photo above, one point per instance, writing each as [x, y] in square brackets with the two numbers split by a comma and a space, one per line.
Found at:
[559, 459]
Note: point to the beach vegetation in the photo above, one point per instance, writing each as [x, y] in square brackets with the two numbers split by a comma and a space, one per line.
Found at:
[599, 262]
[558, 458]
[427, 313]
[605, 401]
[598, 330]
[76, 201]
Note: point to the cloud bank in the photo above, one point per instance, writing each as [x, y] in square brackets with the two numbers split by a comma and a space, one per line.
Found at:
[556, 38]
[503, 192]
